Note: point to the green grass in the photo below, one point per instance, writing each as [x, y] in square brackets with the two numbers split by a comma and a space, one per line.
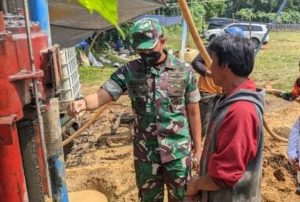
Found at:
[95, 75]
[276, 64]
[173, 35]
[98, 75]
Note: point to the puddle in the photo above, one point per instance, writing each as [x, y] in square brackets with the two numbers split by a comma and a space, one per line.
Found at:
[87, 186]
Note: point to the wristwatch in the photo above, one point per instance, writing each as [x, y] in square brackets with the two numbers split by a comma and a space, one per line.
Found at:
[81, 98]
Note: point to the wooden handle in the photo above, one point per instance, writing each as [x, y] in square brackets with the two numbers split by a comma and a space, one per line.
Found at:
[193, 30]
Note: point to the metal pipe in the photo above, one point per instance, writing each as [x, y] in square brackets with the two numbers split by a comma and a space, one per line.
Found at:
[55, 152]
[35, 88]
[39, 12]
[271, 26]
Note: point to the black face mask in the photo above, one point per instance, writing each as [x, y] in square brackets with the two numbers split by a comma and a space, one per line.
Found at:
[150, 59]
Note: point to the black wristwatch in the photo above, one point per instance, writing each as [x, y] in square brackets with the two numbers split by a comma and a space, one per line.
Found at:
[81, 98]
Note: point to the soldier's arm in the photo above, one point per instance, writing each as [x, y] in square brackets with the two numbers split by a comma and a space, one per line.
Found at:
[111, 90]
[90, 102]
[193, 112]
[98, 99]
[192, 97]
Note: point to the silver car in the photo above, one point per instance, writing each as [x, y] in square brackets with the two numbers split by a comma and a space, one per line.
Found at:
[255, 32]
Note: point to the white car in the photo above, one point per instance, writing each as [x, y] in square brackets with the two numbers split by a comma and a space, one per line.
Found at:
[256, 32]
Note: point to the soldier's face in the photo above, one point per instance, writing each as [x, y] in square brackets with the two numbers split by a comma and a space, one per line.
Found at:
[158, 48]
[153, 56]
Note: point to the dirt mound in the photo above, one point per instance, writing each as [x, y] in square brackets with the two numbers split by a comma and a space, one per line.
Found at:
[279, 182]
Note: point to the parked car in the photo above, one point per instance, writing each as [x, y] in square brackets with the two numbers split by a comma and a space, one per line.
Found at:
[255, 32]
[217, 22]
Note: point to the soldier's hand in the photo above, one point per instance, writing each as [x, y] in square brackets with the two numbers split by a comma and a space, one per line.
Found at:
[196, 160]
[75, 107]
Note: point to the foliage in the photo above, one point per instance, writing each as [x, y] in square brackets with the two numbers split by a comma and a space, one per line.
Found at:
[107, 9]
[264, 10]
[198, 11]
[214, 8]
[257, 10]
[246, 14]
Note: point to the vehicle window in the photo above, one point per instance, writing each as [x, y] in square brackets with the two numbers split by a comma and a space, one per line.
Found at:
[256, 28]
[213, 26]
[243, 27]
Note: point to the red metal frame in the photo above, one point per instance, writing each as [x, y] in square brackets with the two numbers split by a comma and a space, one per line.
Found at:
[15, 82]
[12, 181]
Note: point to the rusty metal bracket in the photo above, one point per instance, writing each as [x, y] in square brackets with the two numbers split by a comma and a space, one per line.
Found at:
[52, 67]
[23, 75]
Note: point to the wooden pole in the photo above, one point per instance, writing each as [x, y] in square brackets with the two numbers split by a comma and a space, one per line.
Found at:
[193, 30]
[90, 122]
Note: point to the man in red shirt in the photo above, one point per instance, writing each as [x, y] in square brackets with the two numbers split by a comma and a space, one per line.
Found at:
[289, 96]
[231, 162]
[294, 94]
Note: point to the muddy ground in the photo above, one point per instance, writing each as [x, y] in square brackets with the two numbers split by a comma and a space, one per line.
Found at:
[100, 161]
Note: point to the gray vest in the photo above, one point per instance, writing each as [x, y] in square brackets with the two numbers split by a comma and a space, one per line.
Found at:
[247, 189]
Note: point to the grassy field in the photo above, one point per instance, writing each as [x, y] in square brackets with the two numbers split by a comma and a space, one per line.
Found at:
[276, 64]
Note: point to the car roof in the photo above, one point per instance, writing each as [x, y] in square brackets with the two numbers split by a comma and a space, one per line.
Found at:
[245, 23]
[219, 18]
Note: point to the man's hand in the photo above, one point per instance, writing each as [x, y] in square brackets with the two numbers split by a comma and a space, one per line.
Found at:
[75, 107]
[295, 164]
[191, 199]
[192, 187]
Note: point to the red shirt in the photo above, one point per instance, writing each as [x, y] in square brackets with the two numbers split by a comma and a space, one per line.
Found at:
[236, 141]
[296, 89]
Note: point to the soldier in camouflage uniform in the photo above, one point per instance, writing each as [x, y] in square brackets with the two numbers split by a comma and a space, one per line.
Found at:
[164, 98]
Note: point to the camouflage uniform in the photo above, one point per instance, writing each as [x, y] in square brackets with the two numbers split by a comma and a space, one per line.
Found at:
[162, 142]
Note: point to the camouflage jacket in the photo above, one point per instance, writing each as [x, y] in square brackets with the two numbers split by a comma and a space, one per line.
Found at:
[159, 96]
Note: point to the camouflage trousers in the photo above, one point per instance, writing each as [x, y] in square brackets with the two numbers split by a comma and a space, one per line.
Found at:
[151, 178]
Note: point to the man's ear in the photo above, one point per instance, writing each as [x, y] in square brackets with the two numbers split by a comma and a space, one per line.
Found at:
[163, 41]
[226, 68]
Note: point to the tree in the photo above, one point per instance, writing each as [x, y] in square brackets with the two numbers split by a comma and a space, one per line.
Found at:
[246, 14]
[215, 8]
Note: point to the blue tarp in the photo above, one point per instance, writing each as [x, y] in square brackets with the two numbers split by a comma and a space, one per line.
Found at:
[164, 20]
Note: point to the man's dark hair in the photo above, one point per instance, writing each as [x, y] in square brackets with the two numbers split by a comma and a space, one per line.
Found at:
[236, 52]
